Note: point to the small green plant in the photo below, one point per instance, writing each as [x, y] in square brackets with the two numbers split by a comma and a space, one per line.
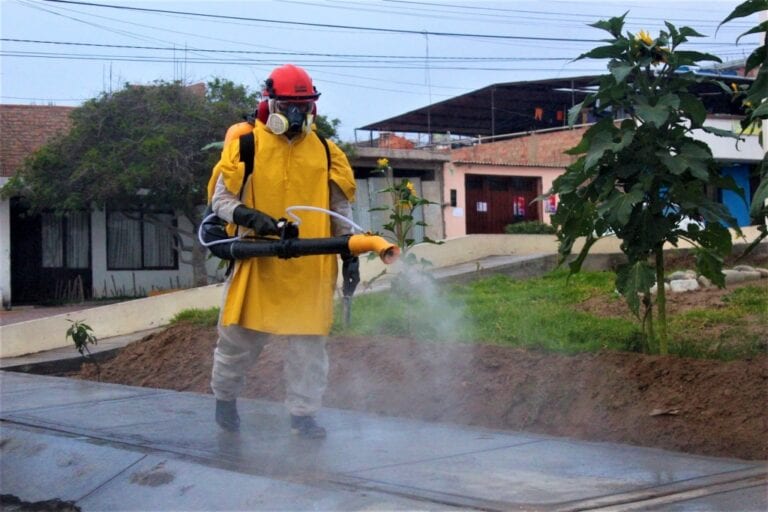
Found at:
[532, 227]
[82, 335]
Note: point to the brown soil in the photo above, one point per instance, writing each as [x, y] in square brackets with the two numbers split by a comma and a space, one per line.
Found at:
[698, 406]
[707, 407]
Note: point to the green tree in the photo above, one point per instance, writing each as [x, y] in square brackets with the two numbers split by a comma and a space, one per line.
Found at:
[639, 176]
[140, 147]
[328, 128]
[755, 101]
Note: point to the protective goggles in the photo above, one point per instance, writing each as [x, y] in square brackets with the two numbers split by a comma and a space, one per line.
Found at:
[300, 107]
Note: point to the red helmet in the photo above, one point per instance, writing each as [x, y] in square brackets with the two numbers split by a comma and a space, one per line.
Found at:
[289, 82]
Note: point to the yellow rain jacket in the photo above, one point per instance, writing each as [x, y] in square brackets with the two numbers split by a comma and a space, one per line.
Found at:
[286, 296]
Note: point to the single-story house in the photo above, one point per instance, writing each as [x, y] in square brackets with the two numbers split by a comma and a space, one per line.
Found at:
[507, 141]
[82, 255]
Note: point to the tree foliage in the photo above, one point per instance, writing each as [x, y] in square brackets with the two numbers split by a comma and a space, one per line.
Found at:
[141, 147]
[640, 176]
[755, 101]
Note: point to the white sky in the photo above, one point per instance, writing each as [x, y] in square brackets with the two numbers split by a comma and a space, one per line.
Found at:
[364, 75]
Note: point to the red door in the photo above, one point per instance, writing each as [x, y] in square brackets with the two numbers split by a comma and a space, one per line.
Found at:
[495, 201]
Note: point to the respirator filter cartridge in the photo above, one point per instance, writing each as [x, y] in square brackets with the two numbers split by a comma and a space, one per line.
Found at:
[278, 123]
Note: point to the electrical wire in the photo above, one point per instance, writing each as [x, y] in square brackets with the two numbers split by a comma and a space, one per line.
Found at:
[393, 58]
[324, 25]
[495, 11]
[329, 25]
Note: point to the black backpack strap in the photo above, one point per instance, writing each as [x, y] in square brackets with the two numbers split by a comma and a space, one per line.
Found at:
[327, 151]
[247, 154]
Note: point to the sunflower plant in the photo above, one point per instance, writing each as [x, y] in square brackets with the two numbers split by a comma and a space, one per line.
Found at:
[403, 204]
[640, 173]
[755, 102]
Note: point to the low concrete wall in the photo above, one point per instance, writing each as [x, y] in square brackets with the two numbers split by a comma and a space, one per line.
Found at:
[141, 314]
[106, 321]
[455, 251]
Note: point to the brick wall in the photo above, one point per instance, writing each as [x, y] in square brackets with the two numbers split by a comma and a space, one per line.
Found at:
[540, 149]
[25, 128]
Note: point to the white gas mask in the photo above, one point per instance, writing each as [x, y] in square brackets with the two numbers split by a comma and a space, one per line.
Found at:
[290, 116]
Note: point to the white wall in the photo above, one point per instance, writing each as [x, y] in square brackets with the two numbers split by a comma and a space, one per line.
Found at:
[725, 148]
[5, 249]
[108, 283]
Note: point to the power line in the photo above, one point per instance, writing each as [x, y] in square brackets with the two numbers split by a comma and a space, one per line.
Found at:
[303, 54]
[335, 26]
[328, 25]
[496, 10]
[371, 64]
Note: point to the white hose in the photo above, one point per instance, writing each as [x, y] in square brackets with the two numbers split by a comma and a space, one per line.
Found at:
[215, 242]
[321, 210]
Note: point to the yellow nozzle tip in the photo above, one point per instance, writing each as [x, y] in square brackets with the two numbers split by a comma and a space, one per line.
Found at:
[387, 251]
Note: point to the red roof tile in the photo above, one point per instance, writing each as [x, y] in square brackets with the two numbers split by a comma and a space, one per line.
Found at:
[25, 128]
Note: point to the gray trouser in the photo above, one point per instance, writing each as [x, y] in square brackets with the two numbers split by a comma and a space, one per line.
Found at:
[305, 368]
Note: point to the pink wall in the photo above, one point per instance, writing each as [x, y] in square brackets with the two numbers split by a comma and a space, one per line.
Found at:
[455, 218]
[538, 155]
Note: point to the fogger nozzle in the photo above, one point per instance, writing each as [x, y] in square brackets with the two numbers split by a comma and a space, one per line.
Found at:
[296, 247]
[387, 251]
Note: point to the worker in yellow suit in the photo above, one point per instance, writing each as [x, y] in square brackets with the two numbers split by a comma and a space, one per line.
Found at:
[285, 300]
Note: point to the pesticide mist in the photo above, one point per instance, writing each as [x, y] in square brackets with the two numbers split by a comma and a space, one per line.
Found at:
[414, 306]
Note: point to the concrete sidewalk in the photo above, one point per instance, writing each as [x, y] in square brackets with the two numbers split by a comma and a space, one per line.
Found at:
[111, 447]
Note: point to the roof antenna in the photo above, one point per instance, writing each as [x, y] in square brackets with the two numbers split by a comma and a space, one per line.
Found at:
[429, 89]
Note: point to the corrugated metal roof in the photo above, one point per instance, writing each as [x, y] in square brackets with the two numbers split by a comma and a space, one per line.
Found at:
[512, 107]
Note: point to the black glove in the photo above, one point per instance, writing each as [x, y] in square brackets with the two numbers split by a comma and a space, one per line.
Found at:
[261, 223]
[350, 273]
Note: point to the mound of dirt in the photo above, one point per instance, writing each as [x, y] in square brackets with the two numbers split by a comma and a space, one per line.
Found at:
[697, 406]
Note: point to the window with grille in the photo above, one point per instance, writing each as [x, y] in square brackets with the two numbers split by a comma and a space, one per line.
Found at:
[66, 240]
[138, 240]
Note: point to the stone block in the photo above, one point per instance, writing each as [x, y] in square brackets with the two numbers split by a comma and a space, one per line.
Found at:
[681, 274]
[683, 285]
[736, 276]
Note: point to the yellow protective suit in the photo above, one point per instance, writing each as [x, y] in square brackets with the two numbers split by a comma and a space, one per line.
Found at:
[293, 296]
[233, 132]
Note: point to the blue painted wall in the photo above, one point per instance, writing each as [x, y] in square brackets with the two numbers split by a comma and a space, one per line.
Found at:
[737, 205]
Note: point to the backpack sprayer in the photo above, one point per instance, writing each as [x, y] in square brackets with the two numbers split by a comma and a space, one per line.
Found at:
[212, 235]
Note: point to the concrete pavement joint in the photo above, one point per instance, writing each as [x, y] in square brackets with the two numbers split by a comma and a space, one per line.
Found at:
[428, 496]
[681, 490]
[114, 477]
[447, 456]
[683, 496]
